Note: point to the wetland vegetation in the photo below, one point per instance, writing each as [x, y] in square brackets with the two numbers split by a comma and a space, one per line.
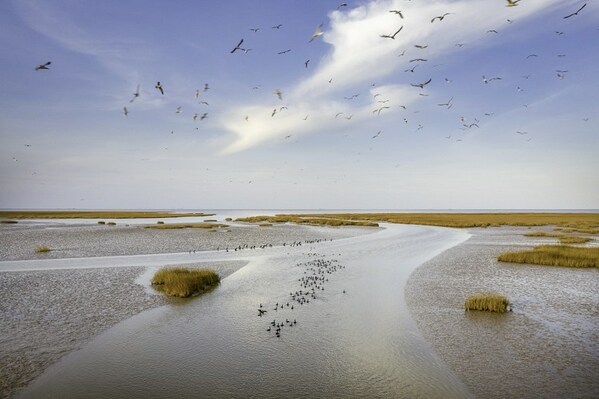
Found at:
[184, 282]
[487, 301]
[95, 214]
[555, 255]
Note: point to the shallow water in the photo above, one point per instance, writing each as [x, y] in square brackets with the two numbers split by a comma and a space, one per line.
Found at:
[361, 343]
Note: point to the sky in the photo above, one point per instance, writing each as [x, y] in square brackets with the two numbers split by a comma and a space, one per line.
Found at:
[508, 120]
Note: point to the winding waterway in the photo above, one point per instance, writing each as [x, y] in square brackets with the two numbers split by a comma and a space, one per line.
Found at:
[355, 339]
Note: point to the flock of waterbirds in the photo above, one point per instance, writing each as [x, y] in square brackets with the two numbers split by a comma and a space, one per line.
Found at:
[316, 274]
[464, 125]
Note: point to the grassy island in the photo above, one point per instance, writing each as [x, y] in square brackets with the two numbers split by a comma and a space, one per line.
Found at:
[184, 282]
[489, 302]
[555, 255]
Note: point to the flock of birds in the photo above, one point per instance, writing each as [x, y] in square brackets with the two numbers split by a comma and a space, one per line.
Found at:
[311, 286]
[384, 104]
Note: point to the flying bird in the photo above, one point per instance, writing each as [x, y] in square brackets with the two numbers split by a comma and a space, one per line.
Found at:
[342, 5]
[159, 87]
[492, 31]
[317, 33]
[576, 13]
[397, 12]
[204, 116]
[440, 17]
[238, 47]
[419, 59]
[195, 116]
[125, 111]
[421, 85]
[279, 94]
[487, 80]
[284, 51]
[178, 111]
[420, 46]
[531, 55]
[352, 97]
[254, 29]
[393, 35]
[43, 66]
[306, 63]
[277, 26]
[447, 104]
[377, 134]
[135, 95]
[206, 87]
[512, 3]
[411, 69]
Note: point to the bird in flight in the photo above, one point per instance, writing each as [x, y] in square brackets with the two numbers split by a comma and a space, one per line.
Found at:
[178, 111]
[338, 114]
[279, 94]
[487, 80]
[238, 47]
[522, 133]
[254, 29]
[419, 59]
[342, 5]
[317, 33]
[125, 111]
[204, 116]
[378, 110]
[512, 3]
[447, 104]
[306, 63]
[411, 69]
[206, 87]
[377, 134]
[397, 12]
[277, 26]
[159, 87]
[440, 17]
[135, 95]
[352, 97]
[43, 66]
[492, 31]
[576, 13]
[393, 35]
[195, 116]
[285, 51]
[421, 85]
[531, 55]
[421, 46]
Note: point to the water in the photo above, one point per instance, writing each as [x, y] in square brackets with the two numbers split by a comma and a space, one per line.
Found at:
[361, 343]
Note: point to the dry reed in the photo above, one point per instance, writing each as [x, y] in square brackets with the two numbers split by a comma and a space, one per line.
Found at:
[184, 282]
[487, 301]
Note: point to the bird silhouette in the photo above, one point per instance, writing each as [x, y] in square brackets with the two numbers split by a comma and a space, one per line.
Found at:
[237, 47]
[393, 35]
[43, 66]
[317, 33]
[440, 17]
[576, 13]
[159, 87]
[421, 85]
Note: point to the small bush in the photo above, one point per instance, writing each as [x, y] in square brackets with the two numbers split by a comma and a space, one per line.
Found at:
[489, 302]
[42, 249]
[101, 222]
[184, 282]
[160, 222]
[111, 223]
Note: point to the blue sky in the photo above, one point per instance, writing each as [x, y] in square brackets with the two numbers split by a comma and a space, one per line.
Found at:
[527, 140]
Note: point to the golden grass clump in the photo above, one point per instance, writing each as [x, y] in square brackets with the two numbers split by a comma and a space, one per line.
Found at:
[301, 219]
[555, 255]
[41, 249]
[184, 282]
[563, 238]
[488, 301]
[265, 224]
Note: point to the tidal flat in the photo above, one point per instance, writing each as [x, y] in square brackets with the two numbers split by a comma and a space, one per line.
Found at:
[546, 347]
[46, 314]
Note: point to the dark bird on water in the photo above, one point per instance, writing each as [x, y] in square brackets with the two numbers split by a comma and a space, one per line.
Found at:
[43, 66]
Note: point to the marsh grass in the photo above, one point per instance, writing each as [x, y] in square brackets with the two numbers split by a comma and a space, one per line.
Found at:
[265, 224]
[487, 301]
[555, 255]
[95, 214]
[563, 238]
[299, 219]
[101, 222]
[111, 223]
[581, 222]
[184, 282]
[186, 226]
[42, 249]
[160, 222]
[8, 221]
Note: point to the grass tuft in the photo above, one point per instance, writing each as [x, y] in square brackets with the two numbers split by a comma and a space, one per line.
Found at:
[487, 301]
[184, 282]
[555, 255]
[41, 249]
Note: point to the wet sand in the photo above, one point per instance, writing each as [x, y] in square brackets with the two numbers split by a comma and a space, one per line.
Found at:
[46, 314]
[548, 347]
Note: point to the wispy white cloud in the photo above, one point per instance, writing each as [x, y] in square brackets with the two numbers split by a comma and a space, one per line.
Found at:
[358, 56]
